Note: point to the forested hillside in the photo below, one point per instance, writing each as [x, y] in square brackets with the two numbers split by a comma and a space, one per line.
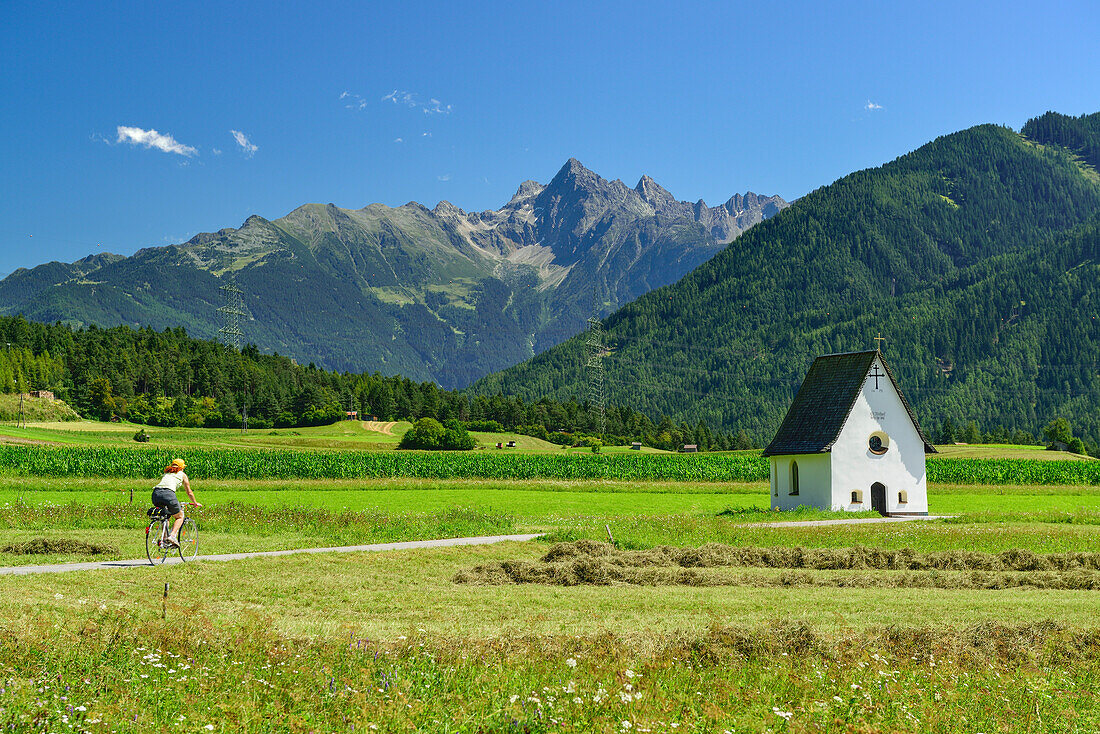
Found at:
[169, 379]
[975, 256]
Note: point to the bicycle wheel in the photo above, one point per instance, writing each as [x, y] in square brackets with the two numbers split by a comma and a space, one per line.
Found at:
[153, 533]
[189, 547]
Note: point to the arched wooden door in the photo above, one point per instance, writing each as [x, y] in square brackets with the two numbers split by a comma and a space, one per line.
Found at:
[878, 498]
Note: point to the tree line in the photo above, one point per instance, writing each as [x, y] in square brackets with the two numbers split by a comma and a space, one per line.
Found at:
[166, 378]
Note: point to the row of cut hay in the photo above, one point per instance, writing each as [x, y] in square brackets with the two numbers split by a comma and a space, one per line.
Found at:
[596, 572]
[716, 555]
[115, 461]
[591, 563]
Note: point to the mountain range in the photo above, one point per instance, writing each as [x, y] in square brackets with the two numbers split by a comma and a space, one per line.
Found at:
[976, 257]
[433, 294]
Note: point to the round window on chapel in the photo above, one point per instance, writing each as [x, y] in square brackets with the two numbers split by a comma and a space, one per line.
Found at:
[878, 443]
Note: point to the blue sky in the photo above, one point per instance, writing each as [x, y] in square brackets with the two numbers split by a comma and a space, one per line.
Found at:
[353, 103]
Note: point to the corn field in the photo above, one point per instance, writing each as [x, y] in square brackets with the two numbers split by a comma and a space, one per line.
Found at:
[48, 461]
[137, 462]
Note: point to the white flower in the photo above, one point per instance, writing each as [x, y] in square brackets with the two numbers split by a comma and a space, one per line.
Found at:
[58, 596]
[571, 662]
[513, 698]
[630, 674]
[782, 714]
[578, 700]
[81, 708]
[82, 601]
[102, 607]
[209, 727]
[627, 725]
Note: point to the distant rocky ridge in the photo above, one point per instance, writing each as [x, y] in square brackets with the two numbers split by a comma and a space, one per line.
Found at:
[435, 294]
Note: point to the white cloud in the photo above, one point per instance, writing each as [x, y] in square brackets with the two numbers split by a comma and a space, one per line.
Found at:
[407, 99]
[444, 177]
[153, 139]
[872, 106]
[399, 140]
[216, 151]
[355, 102]
[243, 141]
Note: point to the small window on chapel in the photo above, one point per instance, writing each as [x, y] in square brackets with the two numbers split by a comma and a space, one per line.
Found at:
[857, 497]
[794, 478]
[903, 497]
[879, 443]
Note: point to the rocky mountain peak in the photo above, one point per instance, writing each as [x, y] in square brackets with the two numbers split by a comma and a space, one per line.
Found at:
[526, 190]
[653, 192]
[574, 175]
[446, 209]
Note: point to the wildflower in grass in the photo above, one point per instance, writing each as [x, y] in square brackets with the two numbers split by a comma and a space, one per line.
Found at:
[626, 725]
[571, 662]
[58, 596]
[785, 715]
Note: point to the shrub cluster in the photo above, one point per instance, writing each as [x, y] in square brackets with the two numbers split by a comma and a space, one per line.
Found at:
[431, 435]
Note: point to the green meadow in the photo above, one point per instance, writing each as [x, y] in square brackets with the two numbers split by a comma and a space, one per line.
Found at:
[525, 637]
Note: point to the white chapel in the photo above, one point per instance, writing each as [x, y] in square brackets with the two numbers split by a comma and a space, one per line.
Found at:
[850, 441]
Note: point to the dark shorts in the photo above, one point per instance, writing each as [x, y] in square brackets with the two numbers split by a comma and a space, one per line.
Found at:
[166, 498]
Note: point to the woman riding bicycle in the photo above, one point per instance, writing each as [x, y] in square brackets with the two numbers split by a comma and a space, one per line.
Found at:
[164, 495]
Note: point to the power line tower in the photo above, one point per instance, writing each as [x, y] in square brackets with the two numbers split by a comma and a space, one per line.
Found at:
[594, 354]
[231, 314]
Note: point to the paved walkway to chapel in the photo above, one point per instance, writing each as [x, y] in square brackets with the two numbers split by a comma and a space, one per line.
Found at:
[98, 565]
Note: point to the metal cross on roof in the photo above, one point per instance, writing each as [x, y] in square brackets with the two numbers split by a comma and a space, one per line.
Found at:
[879, 340]
[876, 374]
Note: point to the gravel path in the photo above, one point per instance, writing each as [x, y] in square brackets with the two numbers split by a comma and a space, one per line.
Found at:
[853, 521]
[95, 565]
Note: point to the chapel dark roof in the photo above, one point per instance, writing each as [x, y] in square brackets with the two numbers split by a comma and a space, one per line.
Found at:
[824, 401]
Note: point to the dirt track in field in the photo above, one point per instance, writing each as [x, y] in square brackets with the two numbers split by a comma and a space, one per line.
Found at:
[380, 427]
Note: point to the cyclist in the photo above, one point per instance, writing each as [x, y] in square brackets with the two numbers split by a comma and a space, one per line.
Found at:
[164, 495]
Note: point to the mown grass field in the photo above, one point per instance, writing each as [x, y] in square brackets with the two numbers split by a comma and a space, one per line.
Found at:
[344, 435]
[341, 642]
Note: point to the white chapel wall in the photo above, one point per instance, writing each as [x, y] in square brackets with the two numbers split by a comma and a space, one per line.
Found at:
[901, 468]
[814, 480]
